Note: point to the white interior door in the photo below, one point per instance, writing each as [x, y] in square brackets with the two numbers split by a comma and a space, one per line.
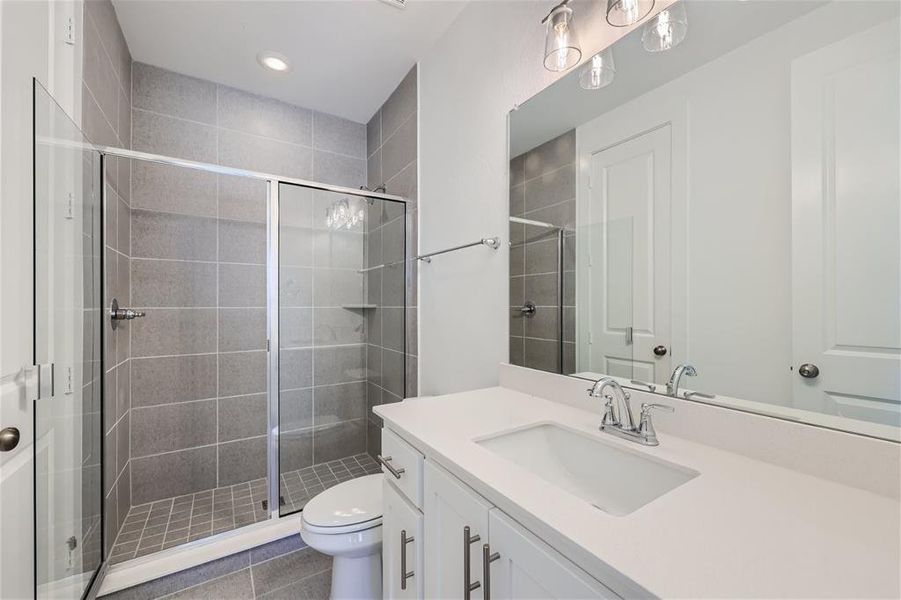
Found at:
[846, 211]
[623, 267]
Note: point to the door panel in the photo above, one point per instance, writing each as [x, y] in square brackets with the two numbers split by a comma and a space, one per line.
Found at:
[528, 568]
[625, 266]
[398, 517]
[67, 411]
[846, 268]
[449, 506]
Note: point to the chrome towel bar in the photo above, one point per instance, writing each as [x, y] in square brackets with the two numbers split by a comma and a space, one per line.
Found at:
[492, 242]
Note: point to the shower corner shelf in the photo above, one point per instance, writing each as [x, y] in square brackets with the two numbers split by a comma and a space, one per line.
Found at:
[359, 306]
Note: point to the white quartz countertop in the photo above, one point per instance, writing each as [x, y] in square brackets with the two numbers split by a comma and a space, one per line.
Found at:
[741, 529]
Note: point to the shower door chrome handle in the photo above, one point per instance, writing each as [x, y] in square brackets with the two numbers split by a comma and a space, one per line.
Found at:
[404, 575]
[468, 540]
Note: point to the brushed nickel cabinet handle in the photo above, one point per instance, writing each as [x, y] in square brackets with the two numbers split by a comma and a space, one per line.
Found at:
[404, 575]
[387, 459]
[468, 540]
[487, 559]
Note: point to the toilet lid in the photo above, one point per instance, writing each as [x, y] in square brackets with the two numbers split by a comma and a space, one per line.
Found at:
[353, 502]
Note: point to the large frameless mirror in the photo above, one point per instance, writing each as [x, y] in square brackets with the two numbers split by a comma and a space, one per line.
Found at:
[710, 209]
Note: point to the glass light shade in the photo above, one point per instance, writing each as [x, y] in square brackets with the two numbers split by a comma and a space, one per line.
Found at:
[666, 30]
[622, 13]
[599, 71]
[341, 215]
[561, 44]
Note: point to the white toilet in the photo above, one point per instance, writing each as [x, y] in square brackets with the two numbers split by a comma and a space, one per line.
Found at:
[345, 521]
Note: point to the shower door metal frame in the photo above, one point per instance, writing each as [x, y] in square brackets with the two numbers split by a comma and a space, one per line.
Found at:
[273, 468]
[272, 248]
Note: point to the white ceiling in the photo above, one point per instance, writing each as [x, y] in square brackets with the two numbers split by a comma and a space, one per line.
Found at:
[346, 56]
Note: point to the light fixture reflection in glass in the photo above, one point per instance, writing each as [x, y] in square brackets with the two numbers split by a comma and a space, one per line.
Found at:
[666, 30]
[599, 71]
[561, 44]
[622, 13]
[340, 215]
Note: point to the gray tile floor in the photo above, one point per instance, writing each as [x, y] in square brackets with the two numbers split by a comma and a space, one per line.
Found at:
[166, 523]
[284, 569]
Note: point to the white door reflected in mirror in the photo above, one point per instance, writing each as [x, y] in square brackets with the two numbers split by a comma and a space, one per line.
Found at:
[732, 203]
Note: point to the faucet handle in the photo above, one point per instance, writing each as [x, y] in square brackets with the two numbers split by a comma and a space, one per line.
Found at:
[646, 427]
[647, 408]
[609, 419]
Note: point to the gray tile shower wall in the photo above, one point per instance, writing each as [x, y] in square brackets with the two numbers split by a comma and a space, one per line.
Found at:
[391, 149]
[106, 120]
[198, 268]
[542, 188]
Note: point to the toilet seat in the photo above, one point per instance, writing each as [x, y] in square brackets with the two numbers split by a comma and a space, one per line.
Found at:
[348, 507]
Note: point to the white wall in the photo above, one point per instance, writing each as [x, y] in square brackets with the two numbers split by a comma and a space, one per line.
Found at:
[489, 60]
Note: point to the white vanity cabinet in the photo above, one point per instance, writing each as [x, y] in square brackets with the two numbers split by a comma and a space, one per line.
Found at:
[526, 567]
[402, 546]
[452, 511]
[447, 553]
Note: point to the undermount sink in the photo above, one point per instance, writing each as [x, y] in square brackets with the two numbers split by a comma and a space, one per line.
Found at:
[614, 479]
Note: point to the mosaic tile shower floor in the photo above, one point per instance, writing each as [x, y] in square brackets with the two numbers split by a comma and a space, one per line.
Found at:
[170, 522]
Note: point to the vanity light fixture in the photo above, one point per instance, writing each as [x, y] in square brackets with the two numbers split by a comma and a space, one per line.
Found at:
[622, 13]
[274, 61]
[561, 43]
[666, 30]
[599, 71]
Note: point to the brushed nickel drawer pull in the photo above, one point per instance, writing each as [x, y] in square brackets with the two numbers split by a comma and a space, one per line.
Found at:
[468, 540]
[387, 459]
[487, 559]
[404, 575]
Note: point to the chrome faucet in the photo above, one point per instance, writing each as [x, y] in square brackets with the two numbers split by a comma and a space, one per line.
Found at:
[623, 415]
[618, 421]
[672, 386]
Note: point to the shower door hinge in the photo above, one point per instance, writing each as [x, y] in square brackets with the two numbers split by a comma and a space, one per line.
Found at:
[44, 381]
[69, 31]
[268, 345]
[70, 206]
[68, 381]
[628, 336]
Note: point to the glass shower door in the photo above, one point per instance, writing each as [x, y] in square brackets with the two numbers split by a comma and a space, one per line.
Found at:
[341, 323]
[67, 305]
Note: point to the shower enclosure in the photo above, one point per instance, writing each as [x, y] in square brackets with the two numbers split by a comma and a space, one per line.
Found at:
[245, 354]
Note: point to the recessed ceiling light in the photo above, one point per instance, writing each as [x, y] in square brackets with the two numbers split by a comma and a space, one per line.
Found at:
[274, 61]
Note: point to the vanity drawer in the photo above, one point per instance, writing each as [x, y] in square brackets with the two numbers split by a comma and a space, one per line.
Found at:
[402, 465]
